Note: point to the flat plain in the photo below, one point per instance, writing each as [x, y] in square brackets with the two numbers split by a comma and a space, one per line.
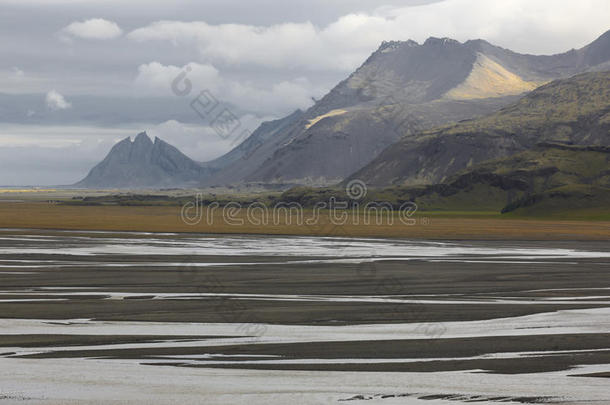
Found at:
[427, 225]
[326, 319]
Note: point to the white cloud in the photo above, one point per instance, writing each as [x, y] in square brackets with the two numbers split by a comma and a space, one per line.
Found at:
[527, 26]
[94, 28]
[283, 97]
[55, 101]
[202, 142]
[286, 45]
[199, 142]
[534, 26]
[191, 79]
[157, 79]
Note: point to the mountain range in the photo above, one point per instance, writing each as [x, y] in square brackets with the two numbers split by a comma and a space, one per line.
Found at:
[400, 118]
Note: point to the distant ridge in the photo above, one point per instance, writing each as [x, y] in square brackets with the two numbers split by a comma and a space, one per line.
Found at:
[142, 163]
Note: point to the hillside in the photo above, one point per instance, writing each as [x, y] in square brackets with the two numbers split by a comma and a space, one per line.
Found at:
[558, 177]
[548, 179]
[574, 110]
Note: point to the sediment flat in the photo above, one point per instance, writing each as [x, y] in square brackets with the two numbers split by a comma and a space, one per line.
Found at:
[325, 319]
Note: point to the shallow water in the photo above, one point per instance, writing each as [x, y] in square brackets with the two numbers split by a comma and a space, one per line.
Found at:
[56, 285]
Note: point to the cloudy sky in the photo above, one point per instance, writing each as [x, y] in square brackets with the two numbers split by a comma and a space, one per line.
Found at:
[76, 76]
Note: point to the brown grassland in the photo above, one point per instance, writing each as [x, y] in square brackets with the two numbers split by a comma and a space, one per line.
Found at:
[39, 215]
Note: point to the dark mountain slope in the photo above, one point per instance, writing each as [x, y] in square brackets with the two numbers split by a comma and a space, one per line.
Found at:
[549, 179]
[575, 177]
[268, 137]
[336, 146]
[575, 110]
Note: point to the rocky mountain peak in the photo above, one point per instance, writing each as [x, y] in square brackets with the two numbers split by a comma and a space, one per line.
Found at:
[142, 163]
[433, 41]
[142, 139]
[387, 46]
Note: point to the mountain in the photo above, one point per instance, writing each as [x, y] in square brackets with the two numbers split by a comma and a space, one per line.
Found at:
[259, 146]
[548, 179]
[142, 163]
[574, 110]
[402, 89]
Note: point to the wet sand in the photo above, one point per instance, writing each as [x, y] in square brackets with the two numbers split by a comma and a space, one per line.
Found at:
[516, 317]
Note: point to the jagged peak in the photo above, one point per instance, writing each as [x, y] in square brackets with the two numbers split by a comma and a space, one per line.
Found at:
[441, 41]
[389, 45]
[142, 137]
